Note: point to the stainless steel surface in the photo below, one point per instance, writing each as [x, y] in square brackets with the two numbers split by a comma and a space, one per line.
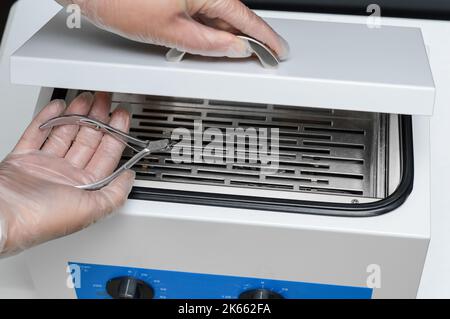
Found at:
[394, 158]
[265, 55]
[174, 55]
[322, 152]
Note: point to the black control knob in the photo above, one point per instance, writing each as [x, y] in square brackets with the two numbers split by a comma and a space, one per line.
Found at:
[129, 288]
[260, 294]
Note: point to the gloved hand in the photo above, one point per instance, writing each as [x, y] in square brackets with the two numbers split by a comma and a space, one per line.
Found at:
[38, 200]
[204, 27]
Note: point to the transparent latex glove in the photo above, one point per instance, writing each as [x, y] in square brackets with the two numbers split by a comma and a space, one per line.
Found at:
[38, 200]
[204, 27]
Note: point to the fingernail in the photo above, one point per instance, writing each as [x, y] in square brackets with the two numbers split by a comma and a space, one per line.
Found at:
[57, 106]
[285, 49]
[88, 97]
[101, 94]
[241, 49]
[124, 107]
[123, 116]
[132, 178]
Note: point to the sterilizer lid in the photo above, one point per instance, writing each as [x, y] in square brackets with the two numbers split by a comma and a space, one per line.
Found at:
[332, 65]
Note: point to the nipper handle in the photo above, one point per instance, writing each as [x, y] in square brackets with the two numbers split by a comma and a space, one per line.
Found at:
[143, 148]
[266, 56]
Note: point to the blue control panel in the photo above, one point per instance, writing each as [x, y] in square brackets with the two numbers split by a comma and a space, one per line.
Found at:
[91, 282]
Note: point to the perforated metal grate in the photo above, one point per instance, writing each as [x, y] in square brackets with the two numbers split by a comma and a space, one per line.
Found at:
[320, 150]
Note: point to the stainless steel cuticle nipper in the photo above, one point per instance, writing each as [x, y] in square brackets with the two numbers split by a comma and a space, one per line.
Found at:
[143, 148]
[265, 55]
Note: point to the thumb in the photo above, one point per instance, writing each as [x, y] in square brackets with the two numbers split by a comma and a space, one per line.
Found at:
[196, 38]
[114, 195]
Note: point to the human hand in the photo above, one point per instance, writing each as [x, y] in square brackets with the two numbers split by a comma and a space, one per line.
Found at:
[205, 27]
[38, 200]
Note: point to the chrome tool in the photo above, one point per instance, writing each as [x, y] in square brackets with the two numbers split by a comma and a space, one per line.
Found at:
[265, 55]
[141, 147]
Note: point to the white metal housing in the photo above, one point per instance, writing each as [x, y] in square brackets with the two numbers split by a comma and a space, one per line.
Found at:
[337, 65]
